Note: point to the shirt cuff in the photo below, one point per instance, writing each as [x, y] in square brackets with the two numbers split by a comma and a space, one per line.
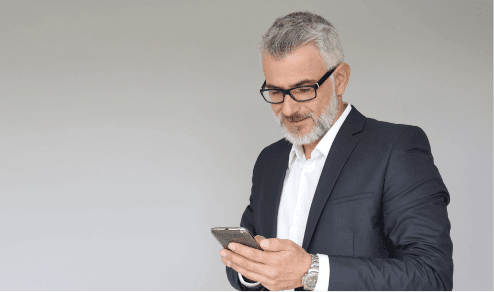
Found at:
[323, 277]
[250, 285]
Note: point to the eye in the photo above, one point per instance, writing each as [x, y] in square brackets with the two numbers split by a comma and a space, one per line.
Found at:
[302, 90]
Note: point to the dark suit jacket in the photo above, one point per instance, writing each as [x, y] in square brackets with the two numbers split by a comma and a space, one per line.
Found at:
[379, 210]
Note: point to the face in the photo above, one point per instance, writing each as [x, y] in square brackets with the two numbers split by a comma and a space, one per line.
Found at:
[302, 122]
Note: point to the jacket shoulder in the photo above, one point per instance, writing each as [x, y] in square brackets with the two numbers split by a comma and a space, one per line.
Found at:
[278, 146]
[271, 153]
[388, 131]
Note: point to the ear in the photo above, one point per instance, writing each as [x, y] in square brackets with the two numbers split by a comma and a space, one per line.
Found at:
[341, 78]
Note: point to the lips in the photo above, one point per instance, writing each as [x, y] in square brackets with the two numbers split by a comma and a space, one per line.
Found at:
[298, 121]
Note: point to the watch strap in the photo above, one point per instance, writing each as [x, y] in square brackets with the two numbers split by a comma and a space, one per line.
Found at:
[309, 280]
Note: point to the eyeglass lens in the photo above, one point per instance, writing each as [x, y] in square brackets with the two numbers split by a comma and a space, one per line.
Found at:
[301, 93]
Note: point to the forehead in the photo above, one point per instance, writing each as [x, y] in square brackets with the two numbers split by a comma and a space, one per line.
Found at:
[303, 63]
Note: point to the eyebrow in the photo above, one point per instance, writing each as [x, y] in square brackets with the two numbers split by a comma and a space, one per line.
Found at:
[300, 83]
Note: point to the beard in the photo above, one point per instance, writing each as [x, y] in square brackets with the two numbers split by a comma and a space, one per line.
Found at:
[320, 126]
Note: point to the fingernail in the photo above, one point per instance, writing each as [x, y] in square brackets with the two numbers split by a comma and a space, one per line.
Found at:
[231, 246]
[264, 244]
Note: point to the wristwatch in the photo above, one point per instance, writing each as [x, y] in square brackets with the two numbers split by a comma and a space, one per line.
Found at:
[310, 278]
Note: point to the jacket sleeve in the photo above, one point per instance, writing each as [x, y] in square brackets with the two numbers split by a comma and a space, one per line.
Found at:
[247, 221]
[415, 221]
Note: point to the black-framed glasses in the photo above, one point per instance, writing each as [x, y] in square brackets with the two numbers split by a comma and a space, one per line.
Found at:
[300, 93]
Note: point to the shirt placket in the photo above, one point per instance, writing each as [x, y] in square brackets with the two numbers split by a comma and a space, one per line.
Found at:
[303, 188]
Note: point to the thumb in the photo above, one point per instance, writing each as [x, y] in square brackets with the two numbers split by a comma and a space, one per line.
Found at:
[259, 239]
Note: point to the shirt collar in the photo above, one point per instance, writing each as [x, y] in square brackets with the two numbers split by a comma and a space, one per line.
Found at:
[324, 145]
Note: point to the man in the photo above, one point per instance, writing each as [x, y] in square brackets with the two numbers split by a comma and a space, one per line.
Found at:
[346, 202]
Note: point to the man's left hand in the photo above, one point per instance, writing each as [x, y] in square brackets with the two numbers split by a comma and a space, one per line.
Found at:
[280, 266]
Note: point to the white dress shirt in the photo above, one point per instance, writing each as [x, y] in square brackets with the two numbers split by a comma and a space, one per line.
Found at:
[301, 179]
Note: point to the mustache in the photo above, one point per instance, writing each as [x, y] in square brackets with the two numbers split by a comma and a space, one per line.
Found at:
[295, 117]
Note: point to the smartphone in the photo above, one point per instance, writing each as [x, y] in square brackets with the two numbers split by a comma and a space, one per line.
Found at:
[241, 235]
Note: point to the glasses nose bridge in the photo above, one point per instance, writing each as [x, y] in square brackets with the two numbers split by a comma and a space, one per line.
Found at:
[287, 92]
[290, 105]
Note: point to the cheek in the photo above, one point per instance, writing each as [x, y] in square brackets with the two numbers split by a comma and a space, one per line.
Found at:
[322, 104]
[276, 109]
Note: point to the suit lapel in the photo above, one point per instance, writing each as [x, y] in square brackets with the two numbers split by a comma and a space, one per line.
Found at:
[342, 147]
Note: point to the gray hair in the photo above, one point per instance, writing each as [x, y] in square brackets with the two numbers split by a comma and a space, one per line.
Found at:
[297, 29]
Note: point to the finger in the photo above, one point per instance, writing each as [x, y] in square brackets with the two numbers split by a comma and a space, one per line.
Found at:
[226, 261]
[276, 244]
[239, 260]
[248, 252]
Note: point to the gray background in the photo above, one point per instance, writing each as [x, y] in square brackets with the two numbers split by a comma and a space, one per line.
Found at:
[130, 128]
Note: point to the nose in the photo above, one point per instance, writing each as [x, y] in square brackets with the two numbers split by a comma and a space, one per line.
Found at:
[290, 106]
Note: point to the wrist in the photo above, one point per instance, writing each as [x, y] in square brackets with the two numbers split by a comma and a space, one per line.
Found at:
[246, 283]
[307, 263]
